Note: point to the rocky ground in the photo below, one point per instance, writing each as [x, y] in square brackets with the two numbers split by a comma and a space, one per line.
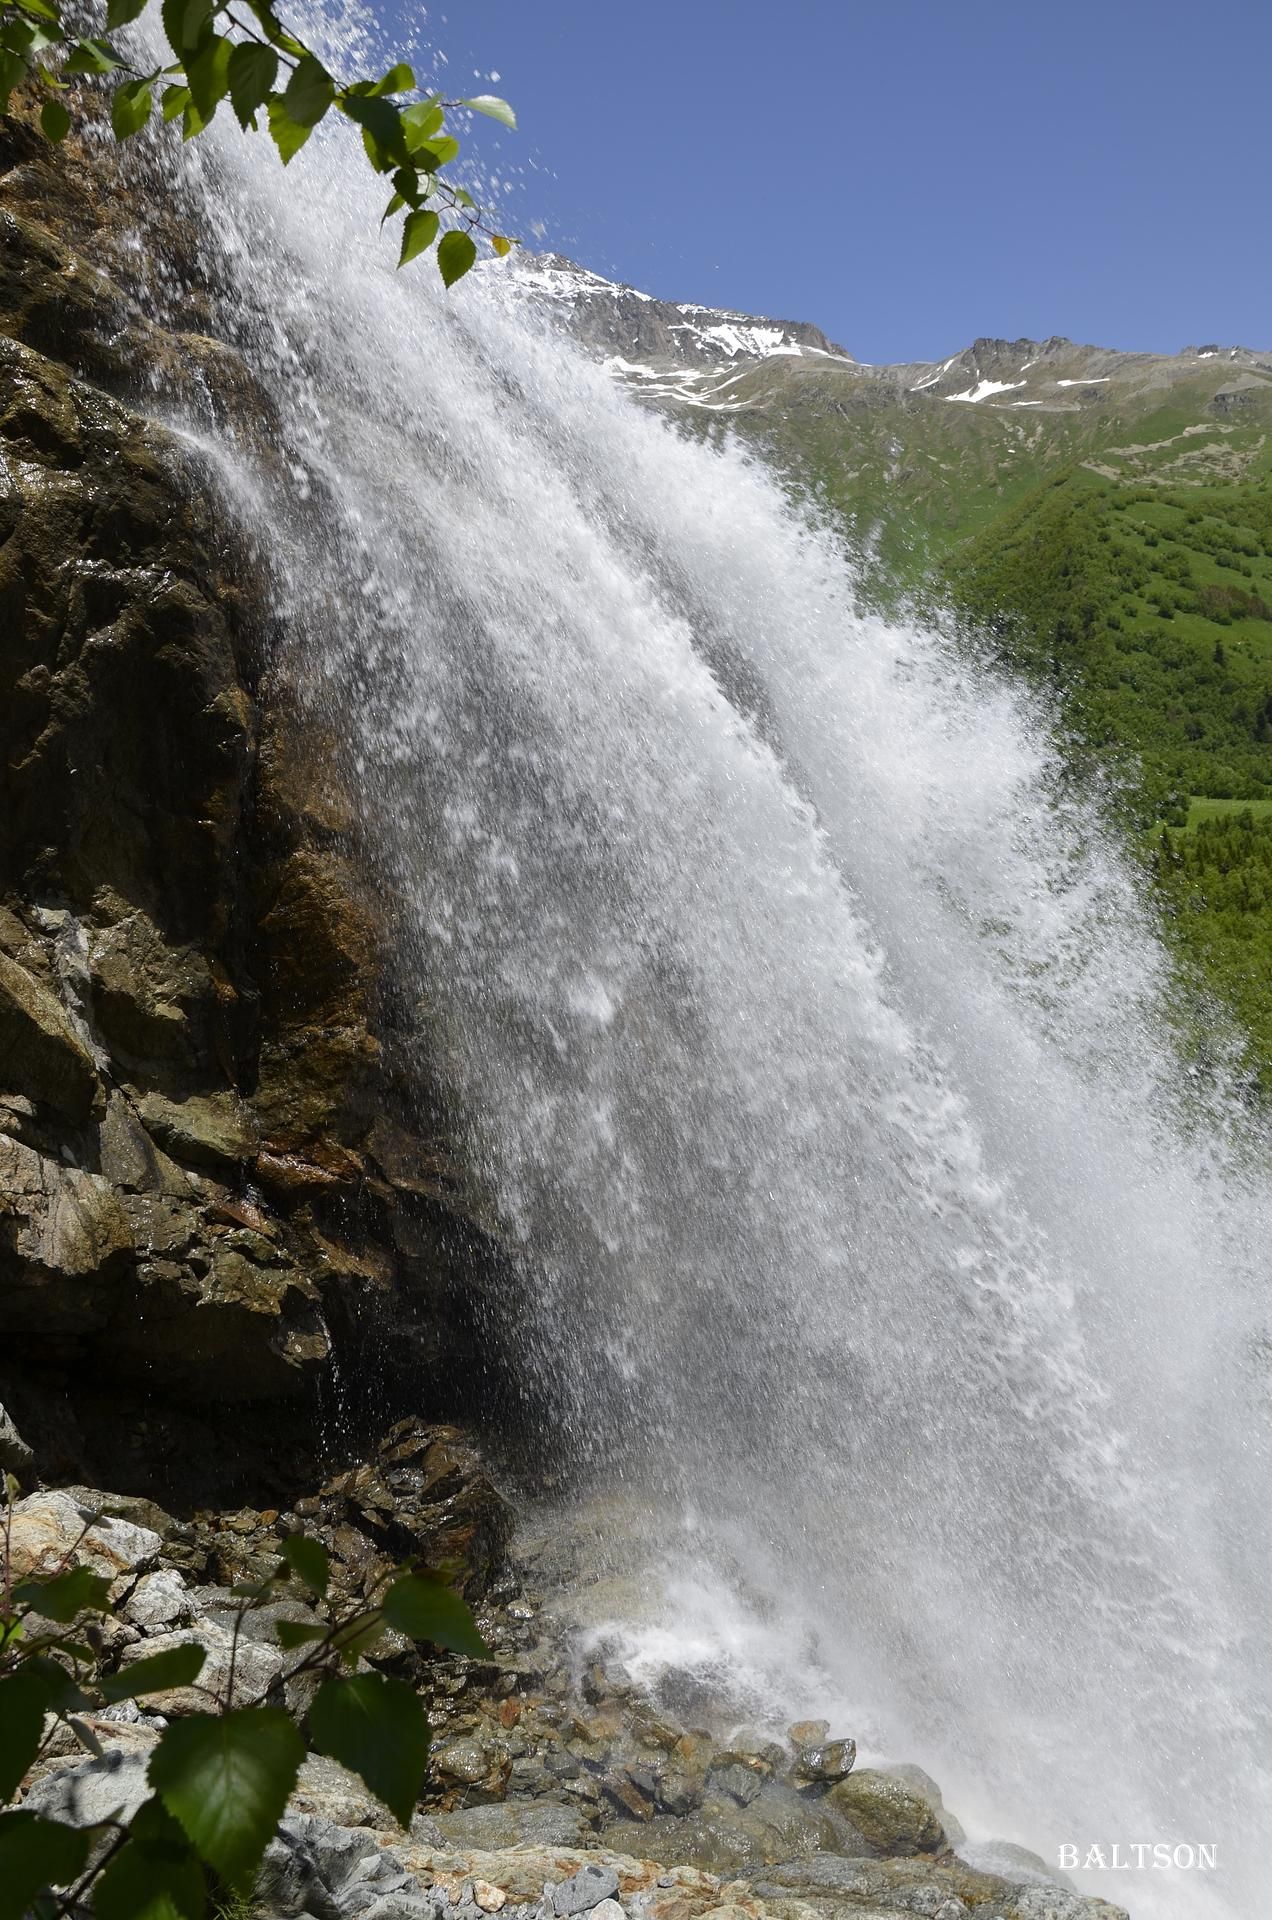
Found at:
[557, 1787]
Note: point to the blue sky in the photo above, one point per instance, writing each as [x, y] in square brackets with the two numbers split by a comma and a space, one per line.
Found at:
[907, 174]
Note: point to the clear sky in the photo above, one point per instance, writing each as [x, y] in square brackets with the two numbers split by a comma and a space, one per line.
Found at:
[905, 173]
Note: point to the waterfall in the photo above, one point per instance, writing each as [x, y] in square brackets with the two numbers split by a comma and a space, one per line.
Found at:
[811, 1042]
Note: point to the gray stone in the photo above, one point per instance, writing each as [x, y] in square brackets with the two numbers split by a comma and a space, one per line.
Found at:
[15, 1455]
[109, 1788]
[160, 1599]
[1012, 1862]
[1055, 1903]
[51, 1527]
[509, 1823]
[831, 1762]
[739, 1782]
[256, 1668]
[328, 1791]
[585, 1890]
[329, 1872]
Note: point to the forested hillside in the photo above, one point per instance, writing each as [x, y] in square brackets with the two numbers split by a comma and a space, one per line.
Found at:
[1149, 609]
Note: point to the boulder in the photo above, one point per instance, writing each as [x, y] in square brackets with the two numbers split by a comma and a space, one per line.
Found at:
[887, 1815]
[50, 1529]
[257, 1668]
[824, 1764]
[159, 1600]
[109, 1788]
[584, 1890]
[327, 1872]
[329, 1792]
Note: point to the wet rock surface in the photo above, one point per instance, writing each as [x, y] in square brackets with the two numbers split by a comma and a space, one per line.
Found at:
[216, 1174]
[558, 1788]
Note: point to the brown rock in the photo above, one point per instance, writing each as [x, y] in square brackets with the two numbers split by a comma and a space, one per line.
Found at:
[41, 1054]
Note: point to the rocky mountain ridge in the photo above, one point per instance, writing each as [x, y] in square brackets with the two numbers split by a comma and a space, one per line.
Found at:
[641, 338]
[915, 457]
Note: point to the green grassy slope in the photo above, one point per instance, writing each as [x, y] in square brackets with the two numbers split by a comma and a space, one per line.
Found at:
[1149, 610]
[917, 471]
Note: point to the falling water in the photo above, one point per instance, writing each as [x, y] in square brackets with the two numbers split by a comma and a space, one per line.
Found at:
[813, 1048]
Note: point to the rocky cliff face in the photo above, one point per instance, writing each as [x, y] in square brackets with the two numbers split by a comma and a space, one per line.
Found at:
[214, 1175]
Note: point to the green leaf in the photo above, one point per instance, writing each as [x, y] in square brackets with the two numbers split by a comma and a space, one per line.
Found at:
[493, 108]
[274, 30]
[41, 10]
[407, 184]
[502, 244]
[309, 92]
[423, 1609]
[175, 101]
[35, 1855]
[92, 56]
[23, 1705]
[55, 121]
[298, 1633]
[175, 1667]
[287, 134]
[26, 38]
[359, 1636]
[308, 1560]
[227, 1779]
[156, 1874]
[434, 153]
[422, 120]
[456, 252]
[185, 22]
[398, 79]
[130, 108]
[208, 74]
[381, 124]
[378, 1728]
[80, 1589]
[13, 71]
[253, 71]
[419, 230]
[61, 1693]
[120, 12]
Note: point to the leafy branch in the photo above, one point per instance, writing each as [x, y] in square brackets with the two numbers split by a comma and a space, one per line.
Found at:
[241, 50]
[220, 1779]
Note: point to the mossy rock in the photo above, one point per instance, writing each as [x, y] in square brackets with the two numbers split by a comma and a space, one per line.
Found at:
[887, 1815]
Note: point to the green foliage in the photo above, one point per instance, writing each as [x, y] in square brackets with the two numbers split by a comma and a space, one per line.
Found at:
[308, 1561]
[227, 1778]
[425, 1610]
[260, 65]
[377, 1727]
[35, 1854]
[221, 1779]
[69, 1593]
[177, 1667]
[1114, 598]
[156, 1875]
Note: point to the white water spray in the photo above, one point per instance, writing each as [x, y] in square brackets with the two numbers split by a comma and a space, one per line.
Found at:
[814, 1053]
